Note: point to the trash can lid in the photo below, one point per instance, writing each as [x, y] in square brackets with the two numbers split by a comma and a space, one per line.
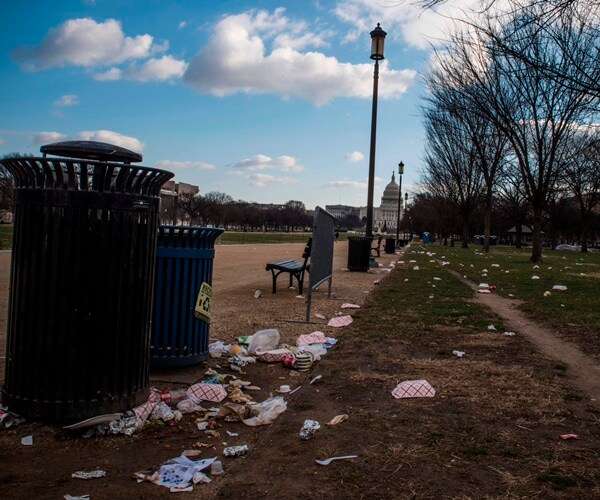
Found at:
[91, 150]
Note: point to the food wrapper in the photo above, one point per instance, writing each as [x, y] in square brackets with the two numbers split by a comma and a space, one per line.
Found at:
[340, 321]
[273, 356]
[311, 338]
[309, 428]
[413, 389]
[206, 392]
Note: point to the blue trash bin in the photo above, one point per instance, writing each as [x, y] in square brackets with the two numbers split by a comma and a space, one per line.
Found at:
[426, 237]
[184, 260]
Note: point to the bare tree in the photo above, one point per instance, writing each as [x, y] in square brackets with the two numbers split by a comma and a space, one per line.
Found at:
[450, 164]
[535, 112]
[581, 174]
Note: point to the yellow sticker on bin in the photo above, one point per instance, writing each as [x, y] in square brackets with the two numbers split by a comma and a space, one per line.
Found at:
[202, 310]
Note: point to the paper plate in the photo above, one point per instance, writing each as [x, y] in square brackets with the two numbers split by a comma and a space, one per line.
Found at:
[100, 419]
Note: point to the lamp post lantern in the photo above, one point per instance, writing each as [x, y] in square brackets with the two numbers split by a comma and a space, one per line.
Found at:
[400, 172]
[377, 41]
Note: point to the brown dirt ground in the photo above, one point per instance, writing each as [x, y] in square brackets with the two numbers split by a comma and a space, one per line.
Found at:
[510, 403]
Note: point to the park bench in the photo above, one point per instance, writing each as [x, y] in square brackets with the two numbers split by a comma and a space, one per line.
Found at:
[377, 248]
[295, 268]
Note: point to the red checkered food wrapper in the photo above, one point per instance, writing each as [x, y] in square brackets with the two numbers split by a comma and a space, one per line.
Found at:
[206, 392]
[413, 389]
[311, 338]
[145, 410]
[273, 356]
[340, 321]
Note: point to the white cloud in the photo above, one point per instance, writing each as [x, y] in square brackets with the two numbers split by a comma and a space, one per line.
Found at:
[261, 180]
[84, 42]
[182, 24]
[200, 165]
[354, 157]
[111, 137]
[346, 184]
[159, 47]
[45, 137]
[263, 162]
[236, 59]
[156, 69]
[419, 27]
[67, 100]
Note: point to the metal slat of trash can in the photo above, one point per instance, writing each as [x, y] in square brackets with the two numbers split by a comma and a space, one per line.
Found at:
[359, 253]
[81, 285]
[184, 260]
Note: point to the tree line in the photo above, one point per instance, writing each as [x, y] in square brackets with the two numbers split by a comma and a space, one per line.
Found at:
[221, 210]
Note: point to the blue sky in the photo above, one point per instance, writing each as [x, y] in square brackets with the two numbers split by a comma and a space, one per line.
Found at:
[266, 101]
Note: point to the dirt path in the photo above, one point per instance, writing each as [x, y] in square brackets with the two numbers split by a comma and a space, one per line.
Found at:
[584, 371]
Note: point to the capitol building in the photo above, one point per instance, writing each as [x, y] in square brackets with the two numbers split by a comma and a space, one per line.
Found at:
[386, 215]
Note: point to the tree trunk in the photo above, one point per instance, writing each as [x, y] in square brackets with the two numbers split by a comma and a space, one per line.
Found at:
[536, 242]
[584, 233]
[465, 235]
[487, 221]
[519, 235]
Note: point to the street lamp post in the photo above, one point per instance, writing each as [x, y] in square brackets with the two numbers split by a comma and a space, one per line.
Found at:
[405, 207]
[377, 41]
[400, 172]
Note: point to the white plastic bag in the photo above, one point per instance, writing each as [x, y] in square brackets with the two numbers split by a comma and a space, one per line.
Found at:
[188, 406]
[266, 412]
[317, 350]
[218, 349]
[263, 340]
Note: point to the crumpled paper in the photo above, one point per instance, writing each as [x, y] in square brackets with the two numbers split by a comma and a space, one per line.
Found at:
[179, 473]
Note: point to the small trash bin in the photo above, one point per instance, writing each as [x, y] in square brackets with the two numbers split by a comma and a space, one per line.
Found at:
[390, 245]
[78, 333]
[184, 261]
[359, 252]
[426, 237]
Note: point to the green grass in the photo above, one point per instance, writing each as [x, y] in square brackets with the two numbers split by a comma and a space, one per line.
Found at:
[557, 478]
[578, 271]
[6, 234]
[421, 304]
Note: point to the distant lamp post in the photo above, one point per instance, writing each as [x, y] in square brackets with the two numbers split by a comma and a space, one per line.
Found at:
[405, 205]
[400, 172]
[377, 41]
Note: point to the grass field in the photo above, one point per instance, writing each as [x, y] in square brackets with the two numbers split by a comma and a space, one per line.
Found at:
[512, 273]
[227, 238]
[239, 238]
[498, 412]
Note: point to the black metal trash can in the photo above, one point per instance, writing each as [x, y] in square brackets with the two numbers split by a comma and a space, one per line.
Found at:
[359, 253]
[390, 245]
[78, 334]
[184, 261]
